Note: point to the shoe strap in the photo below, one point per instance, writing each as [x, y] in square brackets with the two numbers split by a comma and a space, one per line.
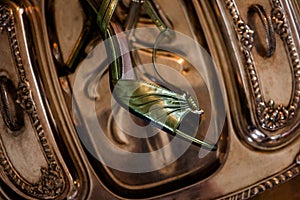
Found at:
[104, 13]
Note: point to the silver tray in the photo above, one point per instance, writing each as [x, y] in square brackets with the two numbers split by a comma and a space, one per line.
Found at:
[249, 89]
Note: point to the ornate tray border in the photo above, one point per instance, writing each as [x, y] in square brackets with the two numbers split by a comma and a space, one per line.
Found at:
[268, 183]
[269, 131]
[270, 115]
[52, 182]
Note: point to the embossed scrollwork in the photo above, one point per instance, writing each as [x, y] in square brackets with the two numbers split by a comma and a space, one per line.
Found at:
[271, 116]
[52, 181]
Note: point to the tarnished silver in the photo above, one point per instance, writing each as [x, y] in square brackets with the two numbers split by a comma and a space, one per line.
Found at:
[11, 112]
[268, 27]
[52, 181]
[255, 48]
[266, 125]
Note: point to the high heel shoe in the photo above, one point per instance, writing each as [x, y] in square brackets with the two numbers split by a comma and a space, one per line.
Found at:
[171, 107]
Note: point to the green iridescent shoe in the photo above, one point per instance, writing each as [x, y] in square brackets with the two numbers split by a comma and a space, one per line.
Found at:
[170, 107]
[139, 96]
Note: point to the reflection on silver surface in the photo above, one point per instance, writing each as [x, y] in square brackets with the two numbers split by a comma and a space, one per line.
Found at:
[122, 132]
[275, 123]
[48, 159]
[39, 173]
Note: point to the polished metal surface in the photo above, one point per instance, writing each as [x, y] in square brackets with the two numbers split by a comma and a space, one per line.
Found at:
[30, 164]
[56, 84]
[266, 125]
